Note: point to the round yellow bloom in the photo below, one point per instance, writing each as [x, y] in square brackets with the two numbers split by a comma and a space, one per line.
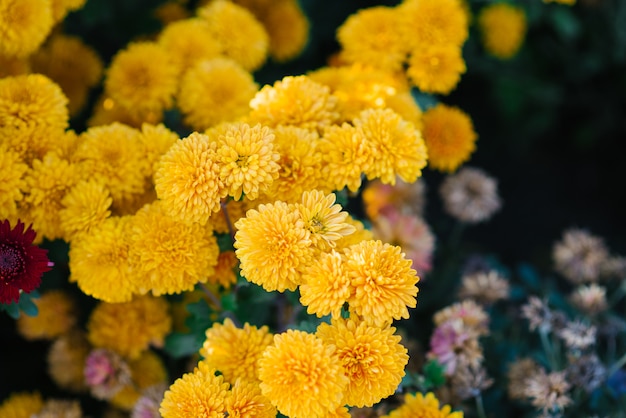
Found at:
[323, 218]
[450, 137]
[247, 159]
[503, 27]
[85, 206]
[300, 163]
[66, 360]
[373, 359]
[187, 179]
[371, 36]
[60, 8]
[273, 246]
[11, 182]
[170, 256]
[30, 102]
[57, 315]
[130, 328]
[215, 91]
[242, 36]
[21, 405]
[113, 155]
[189, 41]
[383, 281]
[297, 101]
[405, 105]
[59, 54]
[197, 394]
[436, 68]
[146, 371]
[47, 182]
[301, 375]
[143, 79]
[288, 29]
[99, 261]
[419, 405]
[397, 148]
[156, 141]
[24, 24]
[246, 401]
[433, 22]
[326, 286]
[235, 351]
[347, 155]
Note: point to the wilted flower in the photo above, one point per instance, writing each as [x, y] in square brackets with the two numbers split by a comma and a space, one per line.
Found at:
[586, 372]
[106, 373]
[470, 195]
[548, 392]
[57, 408]
[453, 343]
[517, 374]
[469, 381]
[577, 335]
[591, 299]
[579, 256]
[484, 287]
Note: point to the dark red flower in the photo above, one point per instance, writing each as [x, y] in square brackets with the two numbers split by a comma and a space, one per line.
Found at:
[21, 262]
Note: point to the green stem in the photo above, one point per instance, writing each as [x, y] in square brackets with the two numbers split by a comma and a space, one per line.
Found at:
[229, 224]
[617, 365]
[214, 299]
[480, 408]
[547, 347]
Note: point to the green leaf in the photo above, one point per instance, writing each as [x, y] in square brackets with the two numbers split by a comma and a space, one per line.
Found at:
[180, 345]
[12, 310]
[565, 23]
[224, 242]
[434, 373]
[27, 305]
[229, 302]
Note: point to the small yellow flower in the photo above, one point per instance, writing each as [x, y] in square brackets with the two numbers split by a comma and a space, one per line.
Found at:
[187, 179]
[21, 405]
[189, 41]
[419, 405]
[297, 101]
[384, 282]
[197, 394]
[433, 22]
[273, 246]
[235, 351]
[24, 25]
[326, 286]
[130, 328]
[503, 27]
[56, 316]
[360, 234]
[247, 159]
[11, 182]
[156, 141]
[296, 366]
[373, 359]
[246, 401]
[323, 218]
[436, 68]
[450, 137]
[288, 29]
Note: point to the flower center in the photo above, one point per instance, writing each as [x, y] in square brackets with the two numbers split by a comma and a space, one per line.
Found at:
[12, 263]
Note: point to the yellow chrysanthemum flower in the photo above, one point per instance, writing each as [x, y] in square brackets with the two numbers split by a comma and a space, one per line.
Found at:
[130, 328]
[436, 68]
[383, 281]
[24, 24]
[242, 36]
[405, 105]
[273, 246]
[433, 22]
[373, 359]
[189, 41]
[60, 8]
[288, 29]
[47, 183]
[398, 149]
[359, 235]
[143, 78]
[323, 218]
[300, 164]
[21, 405]
[187, 179]
[247, 158]
[347, 155]
[32, 107]
[99, 261]
[246, 401]
[371, 36]
[326, 286]
[197, 394]
[450, 137]
[146, 371]
[156, 141]
[503, 27]
[224, 270]
[114, 156]
[419, 405]
[235, 351]
[11, 182]
[296, 366]
[215, 91]
[57, 315]
[66, 360]
[106, 111]
[62, 52]
[297, 101]
[170, 256]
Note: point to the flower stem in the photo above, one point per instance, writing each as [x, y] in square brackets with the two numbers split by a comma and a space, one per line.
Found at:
[548, 348]
[480, 408]
[229, 224]
[617, 365]
[214, 299]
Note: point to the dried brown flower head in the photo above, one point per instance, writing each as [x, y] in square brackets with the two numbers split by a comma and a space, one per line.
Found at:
[591, 299]
[577, 335]
[56, 408]
[517, 374]
[548, 391]
[474, 317]
[541, 317]
[469, 381]
[470, 195]
[613, 267]
[586, 372]
[484, 287]
[579, 256]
